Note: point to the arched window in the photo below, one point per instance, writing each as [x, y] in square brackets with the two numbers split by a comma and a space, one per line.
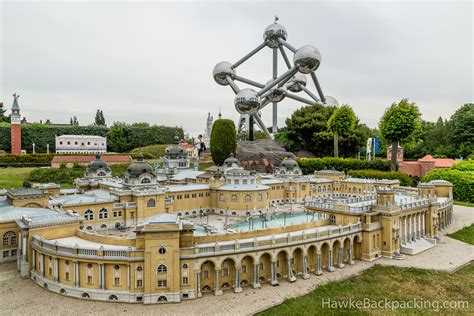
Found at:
[9, 239]
[248, 198]
[101, 174]
[332, 219]
[145, 180]
[151, 203]
[89, 215]
[162, 269]
[244, 181]
[103, 213]
[221, 197]
[234, 198]
[236, 181]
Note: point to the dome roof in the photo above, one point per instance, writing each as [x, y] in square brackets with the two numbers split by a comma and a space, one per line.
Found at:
[139, 166]
[289, 163]
[230, 161]
[97, 164]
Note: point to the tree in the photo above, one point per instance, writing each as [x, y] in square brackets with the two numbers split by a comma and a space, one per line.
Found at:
[99, 118]
[341, 122]
[398, 122]
[460, 131]
[116, 138]
[73, 121]
[3, 117]
[223, 140]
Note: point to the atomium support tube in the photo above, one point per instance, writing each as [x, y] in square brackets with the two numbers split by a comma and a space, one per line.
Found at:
[298, 98]
[275, 104]
[243, 59]
[311, 94]
[232, 84]
[318, 87]
[287, 75]
[263, 103]
[262, 126]
[285, 57]
[250, 82]
[287, 45]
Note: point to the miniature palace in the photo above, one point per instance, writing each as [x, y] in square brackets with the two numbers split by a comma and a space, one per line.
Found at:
[171, 233]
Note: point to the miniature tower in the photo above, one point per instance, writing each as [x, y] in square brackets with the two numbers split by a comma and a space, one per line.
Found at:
[15, 127]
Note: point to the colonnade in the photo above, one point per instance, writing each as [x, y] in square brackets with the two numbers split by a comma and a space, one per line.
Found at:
[413, 227]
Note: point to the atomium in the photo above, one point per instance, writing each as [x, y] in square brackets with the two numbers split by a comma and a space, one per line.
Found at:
[248, 102]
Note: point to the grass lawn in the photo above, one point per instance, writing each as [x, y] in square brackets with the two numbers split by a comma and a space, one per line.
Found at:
[466, 234]
[391, 283]
[155, 150]
[13, 177]
[464, 203]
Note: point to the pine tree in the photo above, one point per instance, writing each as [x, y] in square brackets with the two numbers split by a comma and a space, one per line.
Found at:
[3, 117]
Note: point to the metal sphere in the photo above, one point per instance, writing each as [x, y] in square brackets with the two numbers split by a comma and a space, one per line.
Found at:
[246, 101]
[221, 70]
[272, 33]
[331, 101]
[296, 83]
[275, 94]
[307, 59]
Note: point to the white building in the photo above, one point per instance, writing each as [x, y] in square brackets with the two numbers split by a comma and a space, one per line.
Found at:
[81, 144]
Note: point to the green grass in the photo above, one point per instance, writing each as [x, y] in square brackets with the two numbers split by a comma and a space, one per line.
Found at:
[391, 283]
[156, 151]
[464, 203]
[205, 165]
[466, 234]
[13, 177]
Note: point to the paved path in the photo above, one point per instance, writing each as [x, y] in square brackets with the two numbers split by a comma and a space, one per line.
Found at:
[22, 297]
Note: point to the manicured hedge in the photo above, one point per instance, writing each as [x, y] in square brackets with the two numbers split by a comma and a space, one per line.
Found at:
[463, 182]
[376, 174]
[309, 165]
[466, 165]
[56, 175]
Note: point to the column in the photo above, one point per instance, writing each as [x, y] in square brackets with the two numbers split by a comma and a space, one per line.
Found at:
[402, 231]
[128, 277]
[217, 291]
[41, 264]
[319, 269]
[305, 267]
[341, 257]
[330, 262]
[198, 283]
[291, 277]
[23, 247]
[406, 228]
[274, 280]
[256, 280]
[423, 224]
[419, 225]
[76, 274]
[33, 259]
[101, 276]
[351, 259]
[56, 269]
[237, 288]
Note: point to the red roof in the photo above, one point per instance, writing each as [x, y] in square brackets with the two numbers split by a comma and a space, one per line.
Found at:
[438, 162]
[89, 158]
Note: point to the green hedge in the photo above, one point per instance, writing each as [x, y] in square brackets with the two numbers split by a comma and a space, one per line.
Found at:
[41, 134]
[463, 182]
[466, 165]
[56, 175]
[309, 165]
[376, 174]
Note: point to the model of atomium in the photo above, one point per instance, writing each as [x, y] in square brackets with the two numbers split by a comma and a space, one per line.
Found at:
[249, 102]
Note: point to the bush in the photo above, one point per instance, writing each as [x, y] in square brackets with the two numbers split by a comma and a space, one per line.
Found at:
[376, 174]
[466, 165]
[223, 140]
[463, 182]
[309, 165]
[28, 158]
[56, 175]
[119, 169]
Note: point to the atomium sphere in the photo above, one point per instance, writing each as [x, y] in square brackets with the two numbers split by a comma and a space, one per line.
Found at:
[246, 101]
[331, 101]
[276, 94]
[221, 70]
[272, 33]
[296, 83]
[307, 59]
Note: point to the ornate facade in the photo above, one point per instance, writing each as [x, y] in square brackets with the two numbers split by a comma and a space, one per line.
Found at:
[138, 239]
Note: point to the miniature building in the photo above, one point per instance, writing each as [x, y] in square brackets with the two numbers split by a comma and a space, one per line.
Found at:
[80, 144]
[15, 127]
[399, 153]
[423, 165]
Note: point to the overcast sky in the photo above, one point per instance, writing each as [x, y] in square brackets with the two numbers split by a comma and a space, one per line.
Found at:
[152, 61]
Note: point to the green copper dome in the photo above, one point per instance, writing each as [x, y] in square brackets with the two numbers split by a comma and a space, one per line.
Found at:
[139, 166]
[97, 164]
[289, 163]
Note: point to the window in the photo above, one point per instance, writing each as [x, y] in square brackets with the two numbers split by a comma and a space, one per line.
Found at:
[185, 266]
[186, 196]
[303, 187]
[9, 239]
[225, 272]
[244, 269]
[248, 198]
[151, 203]
[89, 265]
[117, 213]
[162, 269]
[193, 195]
[139, 268]
[117, 267]
[185, 280]
[145, 180]
[162, 250]
[89, 215]
[162, 283]
[261, 266]
[259, 197]
[332, 219]
[234, 198]
[221, 197]
[67, 276]
[13, 252]
[205, 274]
[201, 194]
[6, 254]
[103, 214]
[89, 279]
[116, 281]
[139, 283]
[60, 142]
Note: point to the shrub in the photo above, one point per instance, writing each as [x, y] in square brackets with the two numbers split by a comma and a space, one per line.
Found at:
[376, 174]
[56, 175]
[223, 140]
[119, 169]
[466, 165]
[463, 182]
[309, 165]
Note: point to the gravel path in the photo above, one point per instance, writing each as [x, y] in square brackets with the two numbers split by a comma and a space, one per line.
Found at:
[22, 297]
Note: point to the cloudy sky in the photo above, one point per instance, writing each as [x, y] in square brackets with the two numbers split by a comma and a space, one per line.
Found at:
[152, 61]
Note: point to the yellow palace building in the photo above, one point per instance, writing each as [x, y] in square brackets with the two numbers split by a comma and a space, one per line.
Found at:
[174, 233]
